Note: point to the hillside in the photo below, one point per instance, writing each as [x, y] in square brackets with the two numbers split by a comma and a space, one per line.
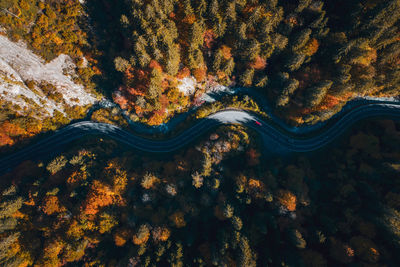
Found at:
[262, 183]
[306, 57]
[36, 95]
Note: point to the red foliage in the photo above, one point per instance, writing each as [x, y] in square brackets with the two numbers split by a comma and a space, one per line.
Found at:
[129, 74]
[164, 102]
[248, 9]
[209, 39]
[200, 74]
[51, 205]
[329, 102]
[120, 100]
[259, 63]
[134, 91]
[287, 199]
[185, 72]
[226, 52]
[155, 65]
[164, 85]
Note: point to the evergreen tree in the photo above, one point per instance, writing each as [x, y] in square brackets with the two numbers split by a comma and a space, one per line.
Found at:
[155, 89]
[247, 77]
[314, 95]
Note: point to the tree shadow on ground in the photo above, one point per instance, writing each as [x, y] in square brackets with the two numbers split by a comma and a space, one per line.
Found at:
[107, 37]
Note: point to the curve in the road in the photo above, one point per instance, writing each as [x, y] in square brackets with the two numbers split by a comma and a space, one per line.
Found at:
[280, 136]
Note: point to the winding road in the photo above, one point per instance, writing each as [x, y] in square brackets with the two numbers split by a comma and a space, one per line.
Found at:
[276, 136]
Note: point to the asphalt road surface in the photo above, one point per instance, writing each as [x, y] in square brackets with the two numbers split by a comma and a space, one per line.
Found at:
[278, 137]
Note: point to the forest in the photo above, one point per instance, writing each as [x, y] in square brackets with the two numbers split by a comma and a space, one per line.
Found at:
[307, 57]
[223, 200]
[220, 202]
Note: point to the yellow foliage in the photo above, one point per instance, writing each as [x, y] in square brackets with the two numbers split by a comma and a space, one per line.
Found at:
[149, 181]
[24, 5]
[43, 21]
[51, 252]
[106, 223]
[369, 56]
[75, 230]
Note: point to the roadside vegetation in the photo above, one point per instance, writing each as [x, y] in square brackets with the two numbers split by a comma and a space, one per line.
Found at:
[235, 102]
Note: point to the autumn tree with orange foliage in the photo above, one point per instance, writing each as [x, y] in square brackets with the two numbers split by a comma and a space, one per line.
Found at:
[142, 235]
[287, 199]
[100, 195]
[52, 205]
[160, 234]
[121, 236]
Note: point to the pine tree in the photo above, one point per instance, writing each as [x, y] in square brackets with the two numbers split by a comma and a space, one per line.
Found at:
[201, 7]
[217, 61]
[247, 77]
[247, 258]
[295, 61]
[301, 39]
[173, 60]
[262, 82]
[187, 8]
[155, 89]
[6, 243]
[302, 5]
[214, 9]
[229, 66]
[296, 238]
[196, 35]
[121, 64]
[314, 95]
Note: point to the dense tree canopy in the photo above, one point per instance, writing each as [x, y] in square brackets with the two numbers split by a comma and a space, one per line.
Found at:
[221, 203]
[308, 57]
